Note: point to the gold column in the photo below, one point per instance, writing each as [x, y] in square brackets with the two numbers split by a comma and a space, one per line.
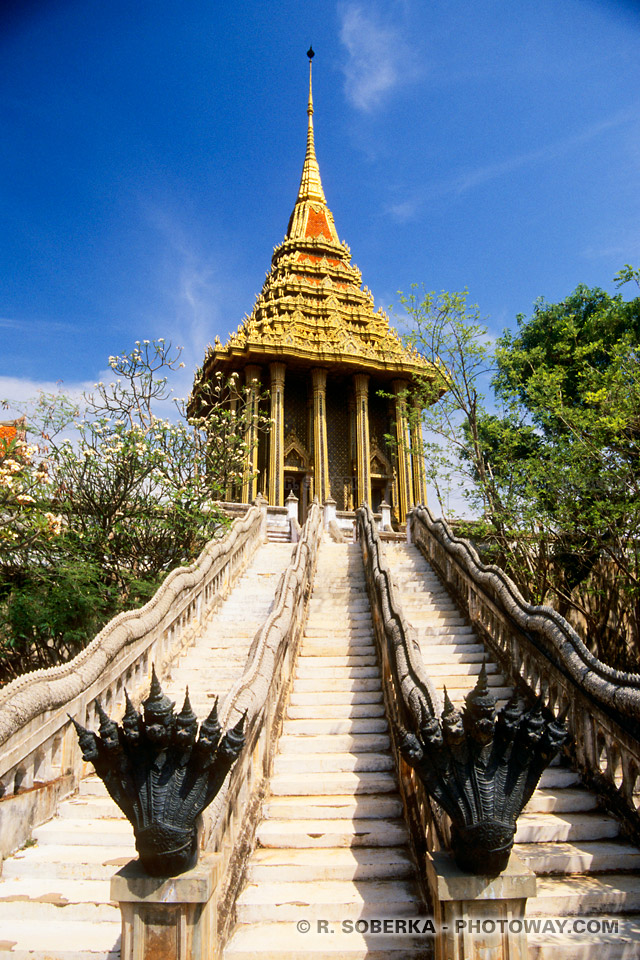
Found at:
[417, 455]
[363, 475]
[250, 482]
[320, 447]
[405, 479]
[276, 436]
[232, 488]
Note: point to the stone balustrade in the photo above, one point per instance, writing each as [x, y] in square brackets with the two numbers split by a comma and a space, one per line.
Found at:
[409, 693]
[541, 655]
[262, 692]
[39, 757]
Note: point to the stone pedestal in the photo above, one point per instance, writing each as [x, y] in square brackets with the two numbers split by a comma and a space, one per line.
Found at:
[330, 515]
[168, 918]
[476, 917]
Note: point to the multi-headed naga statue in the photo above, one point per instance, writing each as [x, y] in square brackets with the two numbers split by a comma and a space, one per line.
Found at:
[162, 773]
[483, 770]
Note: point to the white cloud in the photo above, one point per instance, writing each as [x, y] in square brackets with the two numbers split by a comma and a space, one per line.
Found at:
[377, 57]
[410, 208]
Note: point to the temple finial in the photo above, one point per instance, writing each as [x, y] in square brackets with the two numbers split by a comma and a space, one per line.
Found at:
[310, 183]
[311, 55]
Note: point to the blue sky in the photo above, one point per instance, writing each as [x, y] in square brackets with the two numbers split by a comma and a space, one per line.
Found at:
[151, 154]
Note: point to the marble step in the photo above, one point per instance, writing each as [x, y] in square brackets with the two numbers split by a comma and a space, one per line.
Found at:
[334, 900]
[334, 697]
[282, 941]
[560, 801]
[547, 827]
[61, 940]
[621, 944]
[331, 833]
[319, 864]
[334, 743]
[335, 710]
[584, 856]
[328, 726]
[333, 762]
[607, 893]
[72, 832]
[347, 782]
[333, 807]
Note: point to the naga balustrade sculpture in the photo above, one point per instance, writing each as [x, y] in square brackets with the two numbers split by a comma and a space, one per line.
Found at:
[482, 770]
[162, 772]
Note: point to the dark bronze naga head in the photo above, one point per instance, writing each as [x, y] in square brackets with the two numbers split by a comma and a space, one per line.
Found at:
[482, 770]
[162, 772]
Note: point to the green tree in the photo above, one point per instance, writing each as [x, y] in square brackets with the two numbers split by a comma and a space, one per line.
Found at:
[552, 469]
[124, 496]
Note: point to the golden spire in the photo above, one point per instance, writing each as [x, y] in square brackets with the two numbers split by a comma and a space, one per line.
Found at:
[310, 183]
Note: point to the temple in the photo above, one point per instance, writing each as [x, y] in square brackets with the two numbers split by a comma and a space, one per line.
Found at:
[337, 375]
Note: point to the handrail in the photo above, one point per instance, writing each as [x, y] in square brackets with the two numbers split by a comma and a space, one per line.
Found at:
[412, 682]
[37, 740]
[410, 695]
[261, 692]
[607, 685]
[539, 652]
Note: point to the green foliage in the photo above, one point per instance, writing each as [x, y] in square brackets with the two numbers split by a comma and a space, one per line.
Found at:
[110, 499]
[554, 471]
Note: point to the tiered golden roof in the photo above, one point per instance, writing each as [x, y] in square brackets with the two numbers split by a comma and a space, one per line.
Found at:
[312, 307]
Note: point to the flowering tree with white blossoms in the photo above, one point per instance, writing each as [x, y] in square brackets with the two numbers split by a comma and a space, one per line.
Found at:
[118, 504]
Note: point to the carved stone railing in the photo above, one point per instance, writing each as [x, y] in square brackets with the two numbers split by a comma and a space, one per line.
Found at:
[410, 695]
[262, 692]
[541, 654]
[39, 757]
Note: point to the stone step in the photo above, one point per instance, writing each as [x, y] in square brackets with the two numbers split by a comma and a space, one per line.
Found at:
[331, 833]
[309, 685]
[547, 827]
[608, 893]
[328, 726]
[359, 609]
[282, 941]
[335, 711]
[332, 900]
[72, 832]
[89, 808]
[320, 864]
[333, 807]
[336, 646]
[332, 762]
[463, 652]
[452, 667]
[621, 944]
[433, 634]
[61, 940]
[343, 630]
[558, 777]
[51, 905]
[336, 743]
[597, 856]
[330, 784]
[339, 673]
[334, 697]
[309, 666]
[560, 801]
[68, 862]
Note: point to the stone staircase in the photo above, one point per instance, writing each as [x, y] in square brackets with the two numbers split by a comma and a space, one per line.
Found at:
[55, 893]
[332, 847]
[584, 866]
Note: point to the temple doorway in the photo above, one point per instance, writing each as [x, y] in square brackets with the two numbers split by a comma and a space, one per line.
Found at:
[296, 482]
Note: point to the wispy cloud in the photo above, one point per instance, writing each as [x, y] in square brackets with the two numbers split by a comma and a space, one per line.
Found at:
[378, 59]
[460, 183]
